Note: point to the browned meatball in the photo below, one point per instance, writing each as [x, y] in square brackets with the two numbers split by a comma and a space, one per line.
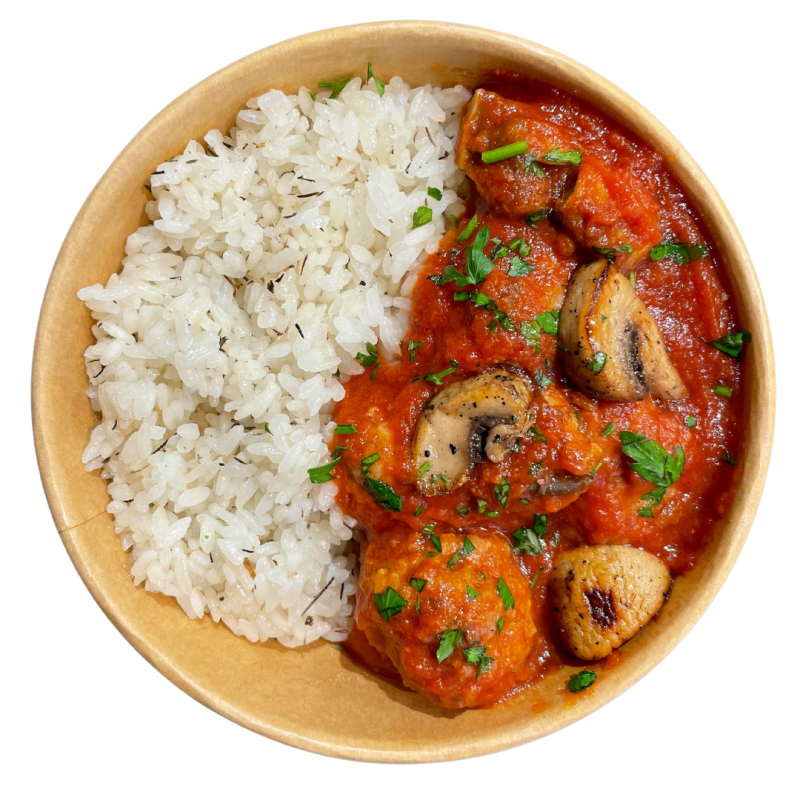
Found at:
[453, 613]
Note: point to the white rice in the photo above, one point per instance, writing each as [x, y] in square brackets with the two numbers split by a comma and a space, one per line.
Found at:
[199, 345]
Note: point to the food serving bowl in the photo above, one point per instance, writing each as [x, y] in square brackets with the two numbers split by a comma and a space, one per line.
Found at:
[315, 697]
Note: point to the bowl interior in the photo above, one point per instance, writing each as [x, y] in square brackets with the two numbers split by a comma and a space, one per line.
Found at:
[315, 697]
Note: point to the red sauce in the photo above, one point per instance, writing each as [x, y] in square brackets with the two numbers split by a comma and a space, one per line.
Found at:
[689, 303]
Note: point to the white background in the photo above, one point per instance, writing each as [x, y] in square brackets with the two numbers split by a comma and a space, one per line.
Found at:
[84, 715]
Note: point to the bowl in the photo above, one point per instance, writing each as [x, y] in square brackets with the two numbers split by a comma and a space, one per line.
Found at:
[315, 697]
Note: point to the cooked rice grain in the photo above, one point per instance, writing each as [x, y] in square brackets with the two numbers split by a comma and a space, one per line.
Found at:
[274, 255]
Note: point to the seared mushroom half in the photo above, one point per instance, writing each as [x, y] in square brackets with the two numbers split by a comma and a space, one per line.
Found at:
[605, 594]
[481, 415]
[613, 348]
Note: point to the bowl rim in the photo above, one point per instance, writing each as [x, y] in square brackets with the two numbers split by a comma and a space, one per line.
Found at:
[762, 414]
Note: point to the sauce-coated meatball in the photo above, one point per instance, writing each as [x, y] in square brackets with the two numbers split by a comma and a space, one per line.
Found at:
[453, 613]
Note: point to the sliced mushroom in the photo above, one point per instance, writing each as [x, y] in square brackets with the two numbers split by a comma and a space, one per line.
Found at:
[613, 347]
[560, 483]
[481, 415]
[603, 595]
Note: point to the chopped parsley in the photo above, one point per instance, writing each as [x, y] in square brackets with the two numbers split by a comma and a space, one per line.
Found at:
[435, 540]
[436, 377]
[337, 86]
[379, 85]
[469, 228]
[559, 156]
[608, 430]
[729, 458]
[371, 357]
[477, 264]
[502, 491]
[463, 552]
[389, 603]
[532, 166]
[579, 681]
[519, 268]
[436, 194]
[501, 623]
[691, 422]
[418, 583]
[506, 151]
[611, 252]
[266, 427]
[323, 474]
[731, 343]
[381, 492]
[652, 462]
[528, 540]
[448, 641]
[537, 216]
[475, 655]
[412, 346]
[542, 379]
[684, 253]
[422, 216]
[473, 593]
[481, 506]
[420, 509]
[344, 429]
[597, 363]
[505, 594]
[462, 511]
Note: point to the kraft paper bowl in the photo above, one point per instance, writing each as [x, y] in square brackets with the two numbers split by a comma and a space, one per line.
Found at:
[315, 697]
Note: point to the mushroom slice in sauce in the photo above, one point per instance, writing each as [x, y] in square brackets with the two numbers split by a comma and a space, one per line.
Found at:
[481, 415]
[560, 483]
[613, 347]
[604, 595]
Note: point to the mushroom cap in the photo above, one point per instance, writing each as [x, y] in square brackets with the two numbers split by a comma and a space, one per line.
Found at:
[603, 595]
[481, 415]
[603, 324]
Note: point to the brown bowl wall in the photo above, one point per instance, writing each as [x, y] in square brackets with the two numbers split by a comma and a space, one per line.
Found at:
[314, 697]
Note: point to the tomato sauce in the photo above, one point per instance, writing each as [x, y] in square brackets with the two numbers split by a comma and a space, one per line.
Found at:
[689, 303]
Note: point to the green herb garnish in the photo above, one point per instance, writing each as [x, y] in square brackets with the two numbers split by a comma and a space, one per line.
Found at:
[608, 430]
[527, 541]
[337, 86]
[436, 194]
[463, 552]
[597, 363]
[558, 156]
[542, 379]
[519, 268]
[418, 583]
[462, 511]
[323, 474]
[412, 346]
[611, 252]
[344, 429]
[532, 166]
[729, 458]
[371, 358]
[652, 462]
[389, 603]
[468, 229]
[436, 377]
[472, 592]
[537, 216]
[579, 681]
[535, 433]
[501, 623]
[731, 343]
[422, 216]
[536, 577]
[506, 151]
[724, 391]
[448, 641]
[381, 492]
[684, 253]
[475, 655]
[379, 85]
[420, 509]
[502, 491]
[505, 594]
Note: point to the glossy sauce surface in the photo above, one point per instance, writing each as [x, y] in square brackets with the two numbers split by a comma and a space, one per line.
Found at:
[689, 303]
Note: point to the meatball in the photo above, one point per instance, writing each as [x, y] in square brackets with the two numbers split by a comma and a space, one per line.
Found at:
[453, 613]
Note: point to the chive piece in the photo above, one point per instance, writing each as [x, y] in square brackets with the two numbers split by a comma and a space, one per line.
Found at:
[632, 280]
[525, 501]
[312, 95]
[493, 514]
[731, 343]
[501, 623]
[412, 346]
[722, 390]
[337, 86]
[596, 467]
[422, 216]
[608, 430]
[536, 577]
[418, 583]
[374, 371]
[691, 422]
[611, 252]
[481, 506]
[424, 468]
[389, 603]
[381, 492]
[579, 681]
[472, 593]
[379, 84]
[524, 250]
[468, 229]
[416, 604]
[502, 491]
[416, 377]
[532, 166]
[597, 363]
[323, 474]
[506, 151]
[266, 427]
[436, 194]
[535, 433]
[428, 531]
[559, 156]
[537, 216]
[344, 429]
[461, 296]
[505, 594]
[729, 458]
[462, 511]
[371, 358]
[448, 641]
[684, 253]
[420, 509]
